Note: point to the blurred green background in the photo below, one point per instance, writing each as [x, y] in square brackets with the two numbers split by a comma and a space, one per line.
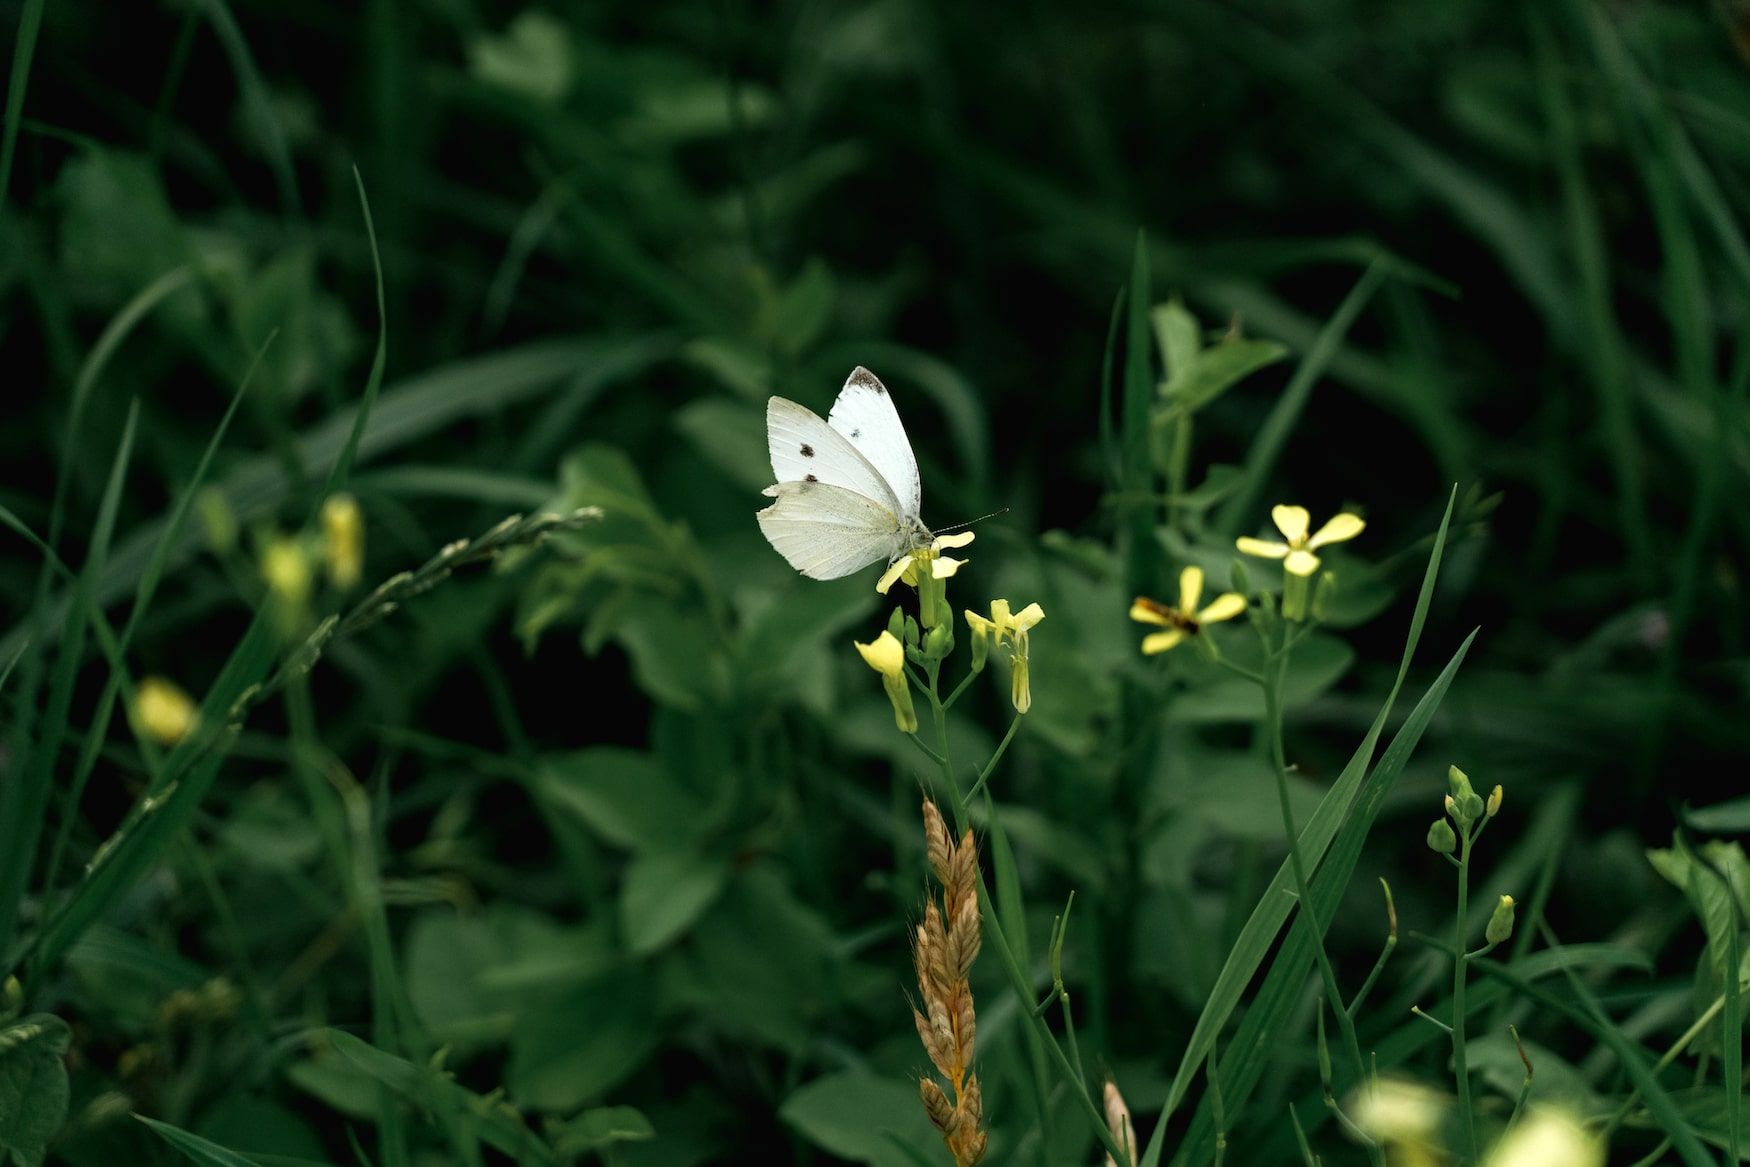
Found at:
[621, 822]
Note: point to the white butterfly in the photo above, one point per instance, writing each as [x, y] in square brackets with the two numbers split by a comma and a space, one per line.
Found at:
[848, 491]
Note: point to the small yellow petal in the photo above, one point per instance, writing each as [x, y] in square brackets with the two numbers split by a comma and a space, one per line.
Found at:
[892, 574]
[942, 566]
[1190, 588]
[1027, 617]
[1338, 530]
[163, 712]
[1301, 563]
[1263, 550]
[1146, 611]
[979, 624]
[1291, 521]
[1161, 641]
[1224, 607]
[959, 539]
[999, 615]
[886, 655]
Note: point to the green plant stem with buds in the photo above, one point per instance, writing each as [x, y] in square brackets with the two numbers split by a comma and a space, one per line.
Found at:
[1460, 967]
[993, 929]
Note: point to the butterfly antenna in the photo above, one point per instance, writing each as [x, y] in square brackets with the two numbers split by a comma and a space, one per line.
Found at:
[969, 522]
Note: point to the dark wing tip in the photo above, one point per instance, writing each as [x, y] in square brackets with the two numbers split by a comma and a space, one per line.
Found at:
[863, 377]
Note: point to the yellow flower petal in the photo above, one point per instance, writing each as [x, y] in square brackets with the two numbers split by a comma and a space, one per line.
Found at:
[1301, 563]
[959, 539]
[979, 625]
[1338, 530]
[1161, 641]
[886, 655]
[1146, 611]
[1263, 550]
[1224, 607]
[1027, 617]
[1291, 521]
[999, 615]
[892, 574]
[942, 567]
[1190, 588]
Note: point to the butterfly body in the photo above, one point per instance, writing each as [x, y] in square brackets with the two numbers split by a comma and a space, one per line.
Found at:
[848, 491]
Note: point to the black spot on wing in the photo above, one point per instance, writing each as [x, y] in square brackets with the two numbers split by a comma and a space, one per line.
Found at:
[809, 478]
[807, 450]
[855, 434]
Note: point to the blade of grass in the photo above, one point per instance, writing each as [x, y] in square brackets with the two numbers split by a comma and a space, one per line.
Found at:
[1273, 435]
[1251, 1050]
[374, 382]
[25, 797]
[30, 22]
[143, 596]
[204, 1151]
[1274, 906]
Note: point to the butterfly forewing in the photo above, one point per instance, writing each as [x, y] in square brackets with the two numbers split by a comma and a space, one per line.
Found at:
[804, 448]
[826, 531]
[865, 415]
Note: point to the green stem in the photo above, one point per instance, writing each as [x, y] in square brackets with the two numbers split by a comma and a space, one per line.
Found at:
[1276, 671]
[1460, 966]
[990, 766]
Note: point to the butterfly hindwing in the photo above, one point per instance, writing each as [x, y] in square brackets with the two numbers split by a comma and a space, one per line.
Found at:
[865, 415]
[826, 531]
[804, 448]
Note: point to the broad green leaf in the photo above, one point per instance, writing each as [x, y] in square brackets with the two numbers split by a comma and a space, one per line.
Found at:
[625, 796]
[663, 893]
[861, 1117]
[1214, 371]
[573, 1048]
[731, 436]
[33, 1086]
[1179, 336]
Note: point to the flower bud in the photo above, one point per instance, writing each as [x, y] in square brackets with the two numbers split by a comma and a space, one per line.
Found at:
[1500, 922]
[163, 712]
[1494, 805]
[343, 540]
[286, 571]
[1458, 782]
[1324, 595]
[911, 631]
[1441, 837]
[1294, 596]
[980, 640]
[896, 623]
[939, 641]
[218, 520]
[1465, 806]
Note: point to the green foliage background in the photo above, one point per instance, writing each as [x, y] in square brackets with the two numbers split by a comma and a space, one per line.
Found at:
[608, 850]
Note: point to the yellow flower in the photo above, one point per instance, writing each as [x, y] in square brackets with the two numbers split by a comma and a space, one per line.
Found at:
[1547, 1137]
[1297, 552]
[909, 566]
[1186, 619]
[886, 655]
[286, 570]
[163, 712]
[343, 540]
[1010, 628]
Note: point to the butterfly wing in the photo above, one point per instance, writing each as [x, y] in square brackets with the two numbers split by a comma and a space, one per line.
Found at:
[826, 531]
[865, 415]
[806, 449]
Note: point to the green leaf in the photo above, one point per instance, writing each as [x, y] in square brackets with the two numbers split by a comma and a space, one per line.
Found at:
[33, 1086]
[1702, 1107]
[1557, 1081]
[1213, 372]
[572, 1049]
[532, 58]
[863, 1118]
[1179, 336]
[664, 892]
[731, 436]
[625, 796]
[198, 1150]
